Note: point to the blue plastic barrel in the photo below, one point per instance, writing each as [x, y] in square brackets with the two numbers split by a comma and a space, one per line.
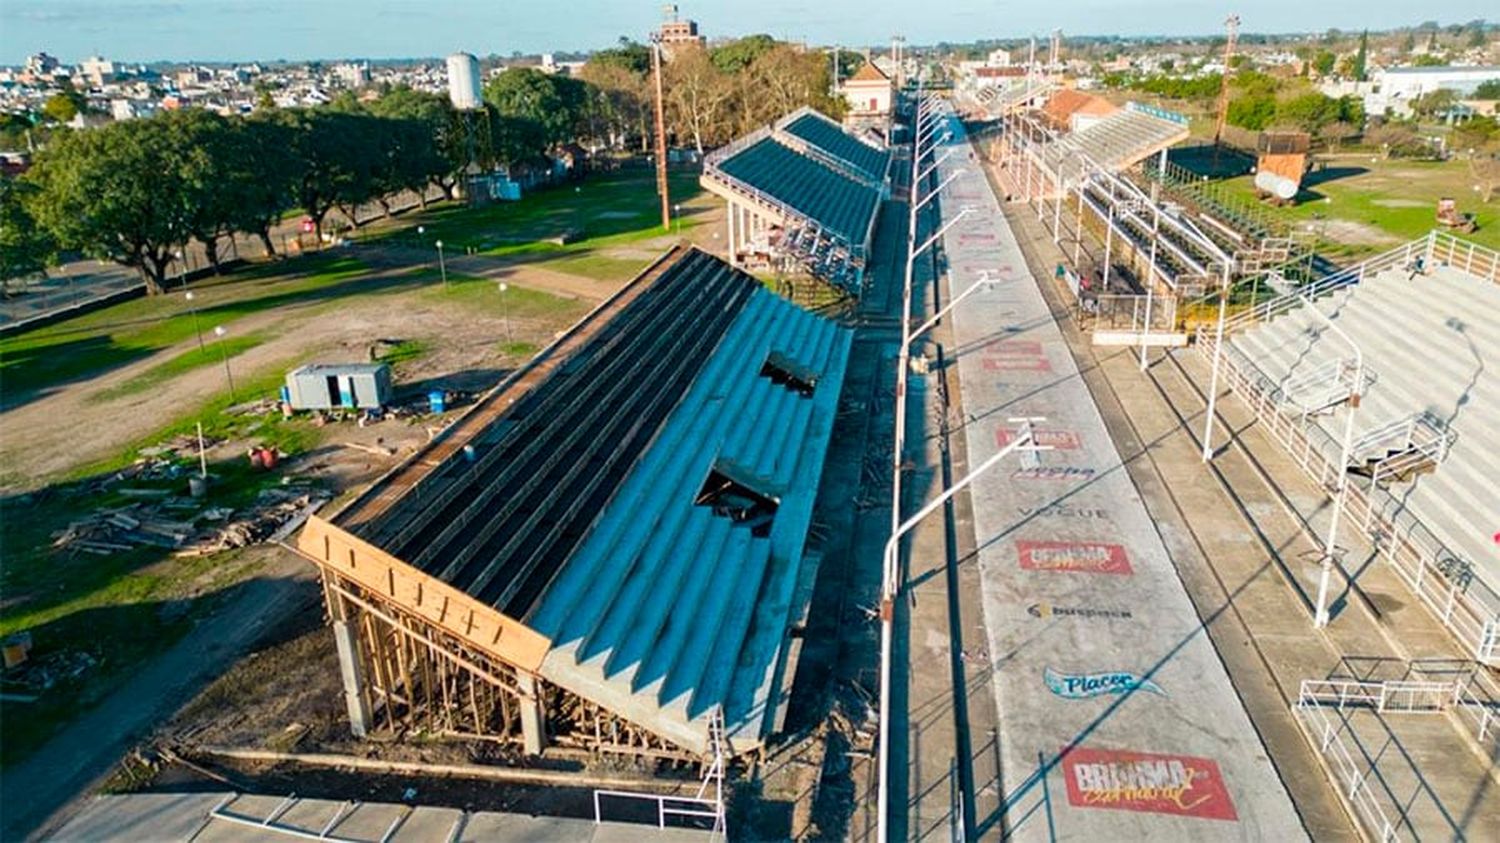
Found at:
[437, 401]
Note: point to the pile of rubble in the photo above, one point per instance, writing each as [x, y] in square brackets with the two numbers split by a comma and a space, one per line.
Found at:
[186, 527]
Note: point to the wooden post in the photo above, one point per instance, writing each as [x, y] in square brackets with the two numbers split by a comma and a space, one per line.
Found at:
[661, 139]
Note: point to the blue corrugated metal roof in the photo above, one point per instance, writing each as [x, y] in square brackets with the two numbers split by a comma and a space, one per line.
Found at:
[838, 203]
[826, 135]
[668, 610]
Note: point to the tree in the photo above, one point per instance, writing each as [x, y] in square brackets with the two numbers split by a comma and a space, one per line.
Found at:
[1477, 36]
[1251, 111]
[1362, 56]
[267, 144]
[115, 193]
[621, 94]
[1488, 90]
[25, 247]
[556, 103]
[335, 163]
[738, 54]
[1395, 139]
[1324, 62]
[1336, 133]
[1434, 103]
[697, 94]
[64, 105]
[1308, 112]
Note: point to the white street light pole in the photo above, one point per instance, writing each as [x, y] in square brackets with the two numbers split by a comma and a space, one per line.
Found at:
[505, 303]
[984, 281]
[890, 575]
[1213, 381]
[197, 329]
[219, 333]
[905, 357]
[442, 266]
[1320, 616]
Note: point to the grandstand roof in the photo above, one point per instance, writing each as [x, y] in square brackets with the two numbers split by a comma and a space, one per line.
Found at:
[838, 203]
[643, 508]
[813, 128]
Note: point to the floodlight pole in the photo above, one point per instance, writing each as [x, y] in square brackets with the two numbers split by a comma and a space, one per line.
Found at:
[442, 265]
[890, 576]
[661, 135]
[1320, 616]
[1213, 381]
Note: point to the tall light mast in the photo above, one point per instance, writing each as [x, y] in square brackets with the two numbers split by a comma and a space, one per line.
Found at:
[1232, 31]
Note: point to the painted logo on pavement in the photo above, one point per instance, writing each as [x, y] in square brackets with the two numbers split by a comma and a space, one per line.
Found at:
[1088, 557]
[1084, 686]
[1181, 785]
[1047, 610]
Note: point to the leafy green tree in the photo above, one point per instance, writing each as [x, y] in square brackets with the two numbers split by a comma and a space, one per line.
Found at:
[26, 248]
[1308, 112]
[738, 54]
[335, 162]
[115, 193]
[1251, 111]
[444, 155]
[64, 105]
[1488, 90]
[266, 147]
[556, 103]
[1324, 62]
[1361, 56]
[1434, 103]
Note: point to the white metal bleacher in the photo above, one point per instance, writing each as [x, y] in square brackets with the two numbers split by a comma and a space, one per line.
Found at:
[1118, 141]
[1430, 345]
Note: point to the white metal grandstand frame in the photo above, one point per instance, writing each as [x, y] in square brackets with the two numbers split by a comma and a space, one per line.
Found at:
[1468, 609]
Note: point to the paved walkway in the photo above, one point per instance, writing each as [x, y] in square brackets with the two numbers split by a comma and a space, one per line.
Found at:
[164, 817]
[1117, 717]
[1238, 532]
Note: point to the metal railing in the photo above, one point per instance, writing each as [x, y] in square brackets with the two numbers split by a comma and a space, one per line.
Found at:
[1477, 702]
[1395, 696]
[685, 807]
[1468, 608]
[1351, 777]
[1447, 250]
[1128, 313]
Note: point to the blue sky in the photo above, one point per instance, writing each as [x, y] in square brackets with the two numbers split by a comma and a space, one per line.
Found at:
[237, 30]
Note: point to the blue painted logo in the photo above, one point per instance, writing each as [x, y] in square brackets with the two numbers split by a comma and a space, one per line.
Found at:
[1083, 686]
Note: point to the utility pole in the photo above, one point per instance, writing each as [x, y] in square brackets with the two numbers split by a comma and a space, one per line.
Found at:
[661, 136]
[1232, 31]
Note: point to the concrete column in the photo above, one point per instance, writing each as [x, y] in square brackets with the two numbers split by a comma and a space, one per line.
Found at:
[533, 715]
[734, 210]
[351, 670]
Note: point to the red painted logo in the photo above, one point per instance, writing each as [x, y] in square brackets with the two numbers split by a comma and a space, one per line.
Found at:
[1143, 781]
[1061, 440]
[1088, 557]
[1016, 356]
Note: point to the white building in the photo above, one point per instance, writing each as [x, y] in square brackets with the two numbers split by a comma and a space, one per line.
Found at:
[1394, 89]
[998, 58]
[97, 70]
[868, 92]
[463, 81]
[353, 75]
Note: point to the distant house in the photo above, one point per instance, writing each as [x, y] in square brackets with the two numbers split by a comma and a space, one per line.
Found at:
[868, 92]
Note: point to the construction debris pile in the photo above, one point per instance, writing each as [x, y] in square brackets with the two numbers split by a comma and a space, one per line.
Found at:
[184, 526]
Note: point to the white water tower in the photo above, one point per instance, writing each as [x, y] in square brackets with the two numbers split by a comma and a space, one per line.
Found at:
[463, 81]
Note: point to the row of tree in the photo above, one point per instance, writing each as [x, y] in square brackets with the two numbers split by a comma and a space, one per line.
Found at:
[711, 95]
[137, 191]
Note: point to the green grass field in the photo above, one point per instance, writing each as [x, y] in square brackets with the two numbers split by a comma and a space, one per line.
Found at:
[97, 342]
[122, 608]
[1397, 199]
